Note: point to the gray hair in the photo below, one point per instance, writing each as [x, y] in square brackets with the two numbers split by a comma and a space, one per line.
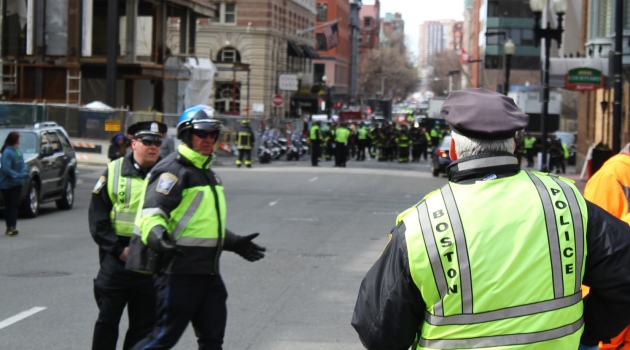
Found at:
[468, 146]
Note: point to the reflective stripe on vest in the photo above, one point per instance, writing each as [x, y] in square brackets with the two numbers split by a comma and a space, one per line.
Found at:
[244, 140]
[448, 260]
[124, 193]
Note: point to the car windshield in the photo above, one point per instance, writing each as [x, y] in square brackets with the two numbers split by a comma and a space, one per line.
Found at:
[27, 145]
[566, 138]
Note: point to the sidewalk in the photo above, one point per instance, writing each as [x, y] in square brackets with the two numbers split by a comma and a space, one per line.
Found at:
[574, 174]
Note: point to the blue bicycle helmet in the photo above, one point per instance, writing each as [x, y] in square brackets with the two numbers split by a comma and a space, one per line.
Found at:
[199, 117]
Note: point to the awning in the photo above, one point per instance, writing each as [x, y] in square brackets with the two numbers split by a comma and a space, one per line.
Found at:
[310, 53]
[558, 68]
[294, 50]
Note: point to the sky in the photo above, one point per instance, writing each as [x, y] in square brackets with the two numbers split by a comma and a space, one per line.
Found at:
[414, 12]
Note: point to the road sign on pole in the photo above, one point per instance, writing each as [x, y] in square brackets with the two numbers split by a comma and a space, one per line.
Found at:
[277, 100]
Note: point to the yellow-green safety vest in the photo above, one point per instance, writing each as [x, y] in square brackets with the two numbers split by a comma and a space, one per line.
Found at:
[529, 142]
[125, 193]
[487, 286]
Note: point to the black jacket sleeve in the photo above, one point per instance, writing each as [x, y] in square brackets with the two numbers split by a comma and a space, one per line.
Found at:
[389, 309]
[100, 223]
[607, 273]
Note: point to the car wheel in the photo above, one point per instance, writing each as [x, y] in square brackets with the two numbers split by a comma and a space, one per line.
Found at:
[435, 171]
[30, 205]
[67, 200]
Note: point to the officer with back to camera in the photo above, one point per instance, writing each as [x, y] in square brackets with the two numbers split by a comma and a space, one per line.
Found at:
[115, 200]
[497, 257]
[244, 143]
[183, 220]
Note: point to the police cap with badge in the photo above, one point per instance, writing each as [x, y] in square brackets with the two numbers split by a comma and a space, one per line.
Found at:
[148, 131]
[483, 114]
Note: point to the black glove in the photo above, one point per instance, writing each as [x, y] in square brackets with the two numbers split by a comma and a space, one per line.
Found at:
[160, 242]
[249, 250]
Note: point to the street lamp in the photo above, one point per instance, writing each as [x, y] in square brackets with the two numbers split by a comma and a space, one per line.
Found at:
[508, 50]
[549, 34]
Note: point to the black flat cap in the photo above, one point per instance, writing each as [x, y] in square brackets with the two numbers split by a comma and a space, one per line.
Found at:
[147, 128]
[483, 114]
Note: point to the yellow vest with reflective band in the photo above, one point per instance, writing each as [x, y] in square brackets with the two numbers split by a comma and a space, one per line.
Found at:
[529, 142]
[198, 220]
[504, 277]
[244, 140]
[313, 132]
[125, 194]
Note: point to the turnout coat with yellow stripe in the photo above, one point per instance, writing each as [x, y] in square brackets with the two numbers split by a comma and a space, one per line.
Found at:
[495, 260]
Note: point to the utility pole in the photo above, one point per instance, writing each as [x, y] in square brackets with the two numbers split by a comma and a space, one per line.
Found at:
[355, 34]
[617, 70]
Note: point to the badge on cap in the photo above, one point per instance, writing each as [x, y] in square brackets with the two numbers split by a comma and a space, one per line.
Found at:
[99, 185]
[154, 127]
[166, 182]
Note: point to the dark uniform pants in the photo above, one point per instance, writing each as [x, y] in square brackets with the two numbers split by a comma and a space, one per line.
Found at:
[341, 154]
[115, 288]
[244, 154]
[316, 152]
[200, 299]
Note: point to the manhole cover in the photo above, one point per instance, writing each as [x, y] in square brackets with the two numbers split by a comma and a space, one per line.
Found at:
[39, 274]
[317, 256]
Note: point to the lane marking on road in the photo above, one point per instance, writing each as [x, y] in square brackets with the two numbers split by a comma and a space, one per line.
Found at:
[22, 315]
[313, 179]
[271, 204]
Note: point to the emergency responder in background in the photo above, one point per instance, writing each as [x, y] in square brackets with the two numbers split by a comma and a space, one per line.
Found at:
[168, 143]
[402, 142]
[183, 219]
[329, 139]
[244, 143]
[362, 140]
[415, 137]
[608, 188]
[115, 201]
[390, 142]
[372, 140]
[495, 258]
[556, 155]
[425, 145]
[342, 134]
[436, 135]
[315, 138]
[528, 143]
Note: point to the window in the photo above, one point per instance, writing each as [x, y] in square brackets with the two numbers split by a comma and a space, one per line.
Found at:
[64, 140]
[228, 55]
[322, 12]
[225, 13]
[54, 142]
[321, 42]
[223, 98]
[367, 21]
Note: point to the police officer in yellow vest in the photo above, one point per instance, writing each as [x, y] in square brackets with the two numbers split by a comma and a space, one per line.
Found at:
[115, 201]
[342, 134]
[244, 143]
[182, 218]
[496, 258]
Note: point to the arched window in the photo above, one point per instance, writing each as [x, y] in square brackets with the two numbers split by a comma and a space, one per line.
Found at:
[228, 55]
[223, 98]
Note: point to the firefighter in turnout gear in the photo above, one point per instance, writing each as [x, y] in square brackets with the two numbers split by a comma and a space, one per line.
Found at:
[497, 257]
[244, 143]
[113, 206]
[182, 227]
[402, 142]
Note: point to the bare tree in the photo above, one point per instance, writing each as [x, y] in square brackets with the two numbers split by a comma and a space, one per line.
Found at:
[388, 72]
[444, 62]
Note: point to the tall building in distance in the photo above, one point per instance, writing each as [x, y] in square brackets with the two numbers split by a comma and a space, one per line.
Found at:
[370, 28]
[392, 29]
[437, 36]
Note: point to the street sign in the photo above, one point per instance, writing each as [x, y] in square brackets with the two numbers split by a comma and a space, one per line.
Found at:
[112, 125]
[277, 100]
[584, 79]
[288, 82]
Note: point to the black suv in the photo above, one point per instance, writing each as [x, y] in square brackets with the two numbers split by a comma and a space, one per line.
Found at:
[51, 163]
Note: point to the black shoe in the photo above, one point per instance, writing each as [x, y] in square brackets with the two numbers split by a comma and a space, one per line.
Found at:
[12, 231]
[249, 165]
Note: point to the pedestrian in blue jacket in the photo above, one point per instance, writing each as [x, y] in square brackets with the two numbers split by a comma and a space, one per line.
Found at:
[12, 174]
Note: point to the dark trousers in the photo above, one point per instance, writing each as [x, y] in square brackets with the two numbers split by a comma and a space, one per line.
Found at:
[200, 299]
[341, 154]
[530, 156]
[113, 291]
[361, 145]
[316, 152]
[246, 154]
[11, 198]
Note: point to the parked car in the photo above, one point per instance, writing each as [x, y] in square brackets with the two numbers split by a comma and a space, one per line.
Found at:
[51, 163]
[440, 157]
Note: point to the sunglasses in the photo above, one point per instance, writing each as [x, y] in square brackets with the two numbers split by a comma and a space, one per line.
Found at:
[148, 143]
[204, 134]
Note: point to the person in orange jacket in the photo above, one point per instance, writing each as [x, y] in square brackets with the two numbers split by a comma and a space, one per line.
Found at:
[609, 188]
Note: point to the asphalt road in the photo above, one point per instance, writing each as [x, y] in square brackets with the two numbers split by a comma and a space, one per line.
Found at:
[323, 228]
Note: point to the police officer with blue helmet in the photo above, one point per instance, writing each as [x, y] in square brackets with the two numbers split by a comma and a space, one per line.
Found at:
[182, 225]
